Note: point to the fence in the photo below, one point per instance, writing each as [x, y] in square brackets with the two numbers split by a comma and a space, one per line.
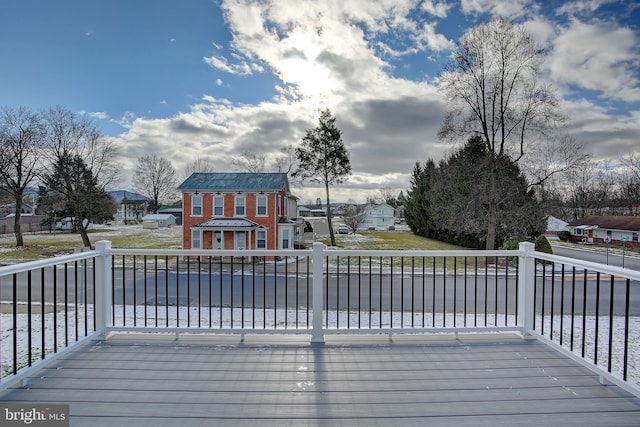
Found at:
[585, 310]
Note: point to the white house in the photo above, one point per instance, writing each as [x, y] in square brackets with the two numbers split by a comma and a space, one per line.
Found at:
[378, 217]
[131, 206]
[598, 229]
[158, 220]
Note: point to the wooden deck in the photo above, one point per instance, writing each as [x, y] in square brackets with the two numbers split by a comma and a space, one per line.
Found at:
[153, 380]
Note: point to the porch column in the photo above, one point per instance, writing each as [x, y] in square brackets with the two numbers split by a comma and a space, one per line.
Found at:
[526, 286]
[102, 298]
[317, 335]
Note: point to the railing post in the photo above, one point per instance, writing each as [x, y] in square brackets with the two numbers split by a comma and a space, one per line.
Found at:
[102, 298]
[526, 284]
[317, 335]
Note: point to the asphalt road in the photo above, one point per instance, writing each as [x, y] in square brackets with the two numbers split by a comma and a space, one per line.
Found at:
[616, 258]
[448, 293]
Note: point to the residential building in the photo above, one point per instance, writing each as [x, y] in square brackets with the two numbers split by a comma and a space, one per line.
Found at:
[616, 230]
[131, 206]
[158, 220]
[378, 217]
[230, 210]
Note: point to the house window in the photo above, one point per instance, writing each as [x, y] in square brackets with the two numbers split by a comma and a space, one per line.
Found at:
[196, 239]
[241, 240]
[218, 206]
[261, 206]
[609, 233]
[196, 205]
[240, 206]
[285, 239]
[634, 237]
[261, 239]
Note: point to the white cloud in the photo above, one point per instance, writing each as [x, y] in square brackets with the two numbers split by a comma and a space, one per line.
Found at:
[221, 63]
[336, 57]
[579, 7]
[437, 8]
[504, 8]
[599, 56]
[95, 114]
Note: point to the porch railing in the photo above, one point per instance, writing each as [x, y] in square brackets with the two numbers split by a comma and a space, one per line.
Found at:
[584, 310]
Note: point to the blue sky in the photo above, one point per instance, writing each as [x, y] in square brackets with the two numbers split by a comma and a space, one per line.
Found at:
[203, 78]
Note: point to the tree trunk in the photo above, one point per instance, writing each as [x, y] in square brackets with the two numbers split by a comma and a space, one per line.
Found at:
[17, 228]
[85, 237]
[492, 219]
[78, 224]
[333, 237]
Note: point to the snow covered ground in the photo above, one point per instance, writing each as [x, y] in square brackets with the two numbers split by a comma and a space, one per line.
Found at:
[275, 319]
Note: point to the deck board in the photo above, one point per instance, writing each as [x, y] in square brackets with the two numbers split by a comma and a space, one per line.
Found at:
[346, 382]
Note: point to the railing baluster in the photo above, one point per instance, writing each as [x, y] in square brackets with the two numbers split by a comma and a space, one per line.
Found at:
[253, 293]
[43, 314]
[15, 323]
[444, 291]
[475, 292]
[584, 311]
[465, 292]
[29, 326]
[455, 289]
[625, 356]
[610, 323]
[199, 310]
[573, 306]
[66, 304]
[597, 331]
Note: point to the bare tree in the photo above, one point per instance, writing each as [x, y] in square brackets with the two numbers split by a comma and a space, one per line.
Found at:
[249, 161]
[353, 217]
[286, 161]
[155, 178]
[75, 143]
[69, 133]
[630, 180]
[21, 137]
[199, 165]
[388, 196]
[495, 90]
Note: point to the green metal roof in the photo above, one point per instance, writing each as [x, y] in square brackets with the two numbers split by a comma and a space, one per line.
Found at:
[235, 181]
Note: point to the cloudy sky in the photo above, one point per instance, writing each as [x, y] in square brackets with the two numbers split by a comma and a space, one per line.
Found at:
[211, 78]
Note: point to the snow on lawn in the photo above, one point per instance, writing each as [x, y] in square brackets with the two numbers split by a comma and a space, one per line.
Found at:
[274, 319]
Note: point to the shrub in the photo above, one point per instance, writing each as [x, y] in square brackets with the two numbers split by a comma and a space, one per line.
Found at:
[512, 243]
[564, 235]
[543, 245]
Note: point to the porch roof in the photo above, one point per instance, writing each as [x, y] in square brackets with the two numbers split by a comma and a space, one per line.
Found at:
[229, 223]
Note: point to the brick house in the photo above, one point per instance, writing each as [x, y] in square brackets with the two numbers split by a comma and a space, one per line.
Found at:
[229, 210]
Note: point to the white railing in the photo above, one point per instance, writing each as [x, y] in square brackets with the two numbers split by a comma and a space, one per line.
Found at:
[51, 306]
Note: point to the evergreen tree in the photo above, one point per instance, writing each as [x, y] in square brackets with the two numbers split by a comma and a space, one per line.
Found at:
[83, 198]
[323, 159]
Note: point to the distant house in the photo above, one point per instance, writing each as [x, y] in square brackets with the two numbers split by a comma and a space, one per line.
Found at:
[131, 206]
[595, 229]
[159, 220]
[10, 208]
[554, 225]
[176, 211]
[311, 212]
[229, 210]
[378, 217]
